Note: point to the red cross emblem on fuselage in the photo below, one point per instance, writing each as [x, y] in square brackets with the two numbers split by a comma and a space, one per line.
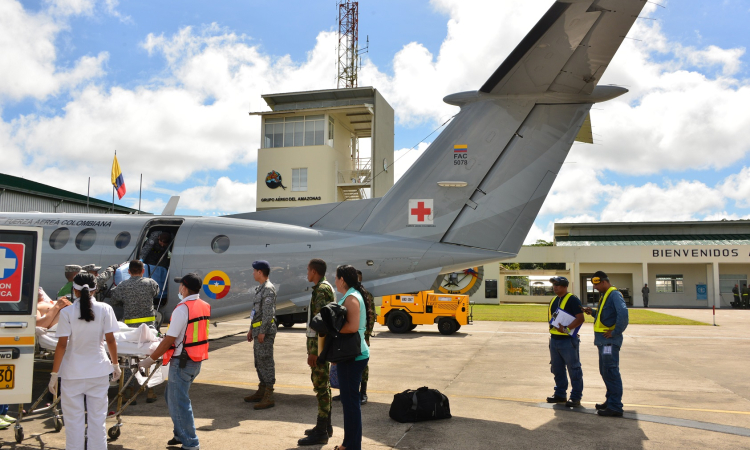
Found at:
[420, 211]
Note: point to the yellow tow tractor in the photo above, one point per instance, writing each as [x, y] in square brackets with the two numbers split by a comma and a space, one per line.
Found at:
[403, 312]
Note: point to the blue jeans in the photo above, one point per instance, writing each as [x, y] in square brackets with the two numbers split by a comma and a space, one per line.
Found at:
[4, 409]
[564, 352]
[609, 368]
[350, 375]
[178, 401]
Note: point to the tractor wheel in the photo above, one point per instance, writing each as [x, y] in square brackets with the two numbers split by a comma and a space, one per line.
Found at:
[412, 327]
[447, 325]
[458, 326]
[399, 322]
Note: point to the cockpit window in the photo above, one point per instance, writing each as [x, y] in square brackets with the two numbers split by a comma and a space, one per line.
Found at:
[85, 239]
[59, 238]
[220, 244]
[122, 240]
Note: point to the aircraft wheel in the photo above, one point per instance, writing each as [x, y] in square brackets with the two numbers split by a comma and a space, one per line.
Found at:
[399, 322]
[114, 432]
[447, 325]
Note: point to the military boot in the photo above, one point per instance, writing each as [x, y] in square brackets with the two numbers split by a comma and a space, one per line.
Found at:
[267, 401]
[318, 434]
[329, 428]
[258, 395]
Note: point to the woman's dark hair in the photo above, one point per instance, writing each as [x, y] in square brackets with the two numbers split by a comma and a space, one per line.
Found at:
[86, 279]
[349, 275]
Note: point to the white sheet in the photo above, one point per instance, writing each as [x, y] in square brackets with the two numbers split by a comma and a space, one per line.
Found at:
[140, 342]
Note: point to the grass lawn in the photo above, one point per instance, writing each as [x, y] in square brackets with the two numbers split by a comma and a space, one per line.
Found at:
[538, 313]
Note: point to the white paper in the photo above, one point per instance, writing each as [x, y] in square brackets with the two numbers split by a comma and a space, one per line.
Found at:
[561, 318]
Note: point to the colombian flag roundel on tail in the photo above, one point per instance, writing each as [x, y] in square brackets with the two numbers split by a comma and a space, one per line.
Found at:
[117, 180]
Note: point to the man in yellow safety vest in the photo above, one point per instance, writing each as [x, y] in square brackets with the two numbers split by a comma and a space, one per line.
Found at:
[564, 343]
[611, 320]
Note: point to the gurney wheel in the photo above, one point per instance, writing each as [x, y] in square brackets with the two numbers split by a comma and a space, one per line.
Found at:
[19, 435]
[58, 424]
[114, 432]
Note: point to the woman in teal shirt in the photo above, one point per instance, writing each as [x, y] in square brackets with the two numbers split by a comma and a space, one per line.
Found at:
[350, 372]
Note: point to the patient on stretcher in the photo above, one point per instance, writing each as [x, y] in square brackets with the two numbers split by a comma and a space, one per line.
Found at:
[48, 311]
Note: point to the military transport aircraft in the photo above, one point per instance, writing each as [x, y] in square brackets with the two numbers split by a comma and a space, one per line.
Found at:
[470, 199]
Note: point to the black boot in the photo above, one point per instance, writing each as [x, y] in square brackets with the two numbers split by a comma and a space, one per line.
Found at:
[317, 435]
[329, 428]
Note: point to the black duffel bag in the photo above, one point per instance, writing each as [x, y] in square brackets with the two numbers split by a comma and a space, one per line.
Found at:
[420, 405]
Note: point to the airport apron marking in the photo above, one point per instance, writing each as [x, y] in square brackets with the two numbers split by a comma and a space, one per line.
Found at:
[216, 284]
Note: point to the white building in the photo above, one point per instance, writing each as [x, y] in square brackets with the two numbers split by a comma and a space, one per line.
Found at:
[686, 264]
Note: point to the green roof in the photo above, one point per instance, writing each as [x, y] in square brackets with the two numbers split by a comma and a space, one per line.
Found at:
[674, 239]
[32, 187]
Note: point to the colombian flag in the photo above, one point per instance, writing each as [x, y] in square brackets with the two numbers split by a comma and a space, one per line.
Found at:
[117, 180]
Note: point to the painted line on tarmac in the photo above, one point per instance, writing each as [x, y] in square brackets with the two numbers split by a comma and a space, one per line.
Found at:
[685, 423]
[533, 401]
[626, 335]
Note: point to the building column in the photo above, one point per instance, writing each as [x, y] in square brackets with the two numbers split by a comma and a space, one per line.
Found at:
[575, 278]
[717, 286]
[639, 279]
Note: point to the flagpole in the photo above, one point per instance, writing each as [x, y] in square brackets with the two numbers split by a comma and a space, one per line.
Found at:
[88, 194]
[113, 192]
[140, 189]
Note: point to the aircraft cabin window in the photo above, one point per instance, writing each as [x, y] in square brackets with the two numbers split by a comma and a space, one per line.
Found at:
[59, 238]
[220, 244]
[85, 239]
[122, 240]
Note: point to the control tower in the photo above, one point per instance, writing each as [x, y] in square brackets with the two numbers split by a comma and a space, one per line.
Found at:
[310, 154]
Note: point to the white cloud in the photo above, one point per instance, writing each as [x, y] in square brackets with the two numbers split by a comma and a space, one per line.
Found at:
[405, 157]
[27, 43]
[226, 195]
[737, 187]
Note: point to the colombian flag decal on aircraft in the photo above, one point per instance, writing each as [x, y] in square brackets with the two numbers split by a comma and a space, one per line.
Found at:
[117, 179]
[216, 284]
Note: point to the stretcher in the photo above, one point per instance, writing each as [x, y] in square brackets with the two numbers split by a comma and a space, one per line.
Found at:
[133, 344]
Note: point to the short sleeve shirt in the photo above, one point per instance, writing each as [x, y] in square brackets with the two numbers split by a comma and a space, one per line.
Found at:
[178, 324]
[86, 354]
[572, 307]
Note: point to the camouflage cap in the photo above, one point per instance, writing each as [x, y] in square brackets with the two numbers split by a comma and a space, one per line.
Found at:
[72, 268]
[91, 268]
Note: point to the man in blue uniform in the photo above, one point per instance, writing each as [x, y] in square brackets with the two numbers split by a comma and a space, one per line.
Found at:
[611, 321]
[564, 345]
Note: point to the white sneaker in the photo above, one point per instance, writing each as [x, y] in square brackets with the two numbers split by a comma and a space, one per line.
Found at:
[7, 418]
[4, 424]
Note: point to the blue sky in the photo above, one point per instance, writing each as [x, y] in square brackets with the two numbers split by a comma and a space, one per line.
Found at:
[114, 65]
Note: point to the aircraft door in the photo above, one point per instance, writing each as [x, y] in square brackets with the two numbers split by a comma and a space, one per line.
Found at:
[20, 257]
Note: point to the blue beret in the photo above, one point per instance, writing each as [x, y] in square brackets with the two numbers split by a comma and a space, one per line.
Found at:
[260, 265]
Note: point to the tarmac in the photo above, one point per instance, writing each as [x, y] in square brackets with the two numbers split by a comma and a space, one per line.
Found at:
[685, 387]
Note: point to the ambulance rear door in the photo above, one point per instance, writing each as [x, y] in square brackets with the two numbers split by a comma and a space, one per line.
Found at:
[20, 258]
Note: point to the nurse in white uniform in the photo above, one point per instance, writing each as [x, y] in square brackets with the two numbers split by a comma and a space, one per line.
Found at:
[83, 365]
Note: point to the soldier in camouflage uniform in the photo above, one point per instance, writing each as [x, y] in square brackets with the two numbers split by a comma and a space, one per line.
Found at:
[136, 295]
[262, 334]
[101, 279]
[371, 317]
[322, 294]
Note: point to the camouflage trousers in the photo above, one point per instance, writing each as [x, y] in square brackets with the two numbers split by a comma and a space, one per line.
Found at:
[366, 372]
[263, 355]
[322, 387]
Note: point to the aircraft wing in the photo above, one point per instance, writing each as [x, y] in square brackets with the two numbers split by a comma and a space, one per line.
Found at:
[568, 50]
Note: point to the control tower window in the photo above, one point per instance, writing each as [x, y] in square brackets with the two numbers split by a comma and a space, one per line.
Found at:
[299, 179]
[294, 131]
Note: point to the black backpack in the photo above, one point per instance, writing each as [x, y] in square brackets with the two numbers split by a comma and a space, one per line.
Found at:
[420, 405]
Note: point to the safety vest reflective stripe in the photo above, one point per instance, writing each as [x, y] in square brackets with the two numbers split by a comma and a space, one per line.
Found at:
[139, 320]
[195, 342]
[259, 323]
[563, 302]
[599, 327]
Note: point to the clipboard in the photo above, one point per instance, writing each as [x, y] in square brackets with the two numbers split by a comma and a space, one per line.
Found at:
[560, 317]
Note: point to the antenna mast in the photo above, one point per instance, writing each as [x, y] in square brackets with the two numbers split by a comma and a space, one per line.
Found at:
[348, 52]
